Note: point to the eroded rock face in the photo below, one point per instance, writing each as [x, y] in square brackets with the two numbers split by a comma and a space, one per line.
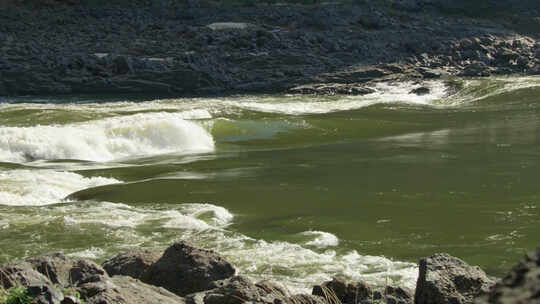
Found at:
[126, 290]
[64, 271]
[184, 269]
[361, 293]
[57, 279]
[444, 279]
[347, 293]
[520, 286]
[133, 264]
[237, 290]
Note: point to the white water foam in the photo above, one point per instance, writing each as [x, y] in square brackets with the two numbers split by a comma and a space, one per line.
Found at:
[400, 93]
[43, 187]
[295, 265]
[321, 239]
[106, 139]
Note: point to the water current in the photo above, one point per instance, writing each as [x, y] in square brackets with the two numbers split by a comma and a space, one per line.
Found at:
[296, 189]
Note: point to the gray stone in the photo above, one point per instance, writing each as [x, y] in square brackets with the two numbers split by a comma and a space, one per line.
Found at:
[125, 290]
[132, 264]
[444, 279]
[65, 271]
[21, 274]
[45, 294]
[184, 269]
[347, 293]
[520, 286]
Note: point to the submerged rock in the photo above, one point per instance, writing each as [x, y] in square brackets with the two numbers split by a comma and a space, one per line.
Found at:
[420, 91]
[520, 286]
[444, 279]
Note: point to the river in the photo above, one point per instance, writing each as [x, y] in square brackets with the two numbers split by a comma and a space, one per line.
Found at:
[291, 188]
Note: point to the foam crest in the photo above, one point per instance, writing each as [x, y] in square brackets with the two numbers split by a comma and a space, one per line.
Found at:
[400, 93]
[321, 239]
[43, 187]
[298, 266]
[106, 139]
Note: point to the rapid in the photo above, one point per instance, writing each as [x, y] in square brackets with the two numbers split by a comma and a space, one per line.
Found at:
[293, 188]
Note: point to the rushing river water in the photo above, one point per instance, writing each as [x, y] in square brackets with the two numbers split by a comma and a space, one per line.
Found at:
[293, 188]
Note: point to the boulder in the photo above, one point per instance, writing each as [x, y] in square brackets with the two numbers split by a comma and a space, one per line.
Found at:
[122, 65]
[347, 293]
[237, 290]
[184, 269]
[420, 91]
[21, 274]
[331, 89]
[520, 286]
[394, 295]
[303, 299]
[444, 279]
[476, 69]
[125, 290]
[66, 272]
[133, 264]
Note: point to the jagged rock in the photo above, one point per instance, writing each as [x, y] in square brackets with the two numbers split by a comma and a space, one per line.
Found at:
[45, 294]
[126, 290]
[394, 295]
[520, 286]
[270, 287]
[184, 269]
[444, 279]
[476, 69]
[23, 274]
[131, 264]
[237, 290]
[302, 298]
[65, 271]
[347, 293]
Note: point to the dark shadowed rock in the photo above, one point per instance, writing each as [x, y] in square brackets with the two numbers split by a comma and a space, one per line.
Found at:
[331, 89]
[184, 269]
[420, 91]
[303, 299]
[444, 279]
[45, 294]
[347, 293]
[23, 274]
[520, 286]
[65, 271]
[237, 290]
[122, 65]
[394, 295]
[132, 264]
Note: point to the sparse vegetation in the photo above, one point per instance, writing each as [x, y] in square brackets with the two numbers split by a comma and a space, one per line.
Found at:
[15, 295]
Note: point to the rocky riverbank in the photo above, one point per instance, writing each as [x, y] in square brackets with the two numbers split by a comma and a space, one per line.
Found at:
[199, 48]
[187, 275]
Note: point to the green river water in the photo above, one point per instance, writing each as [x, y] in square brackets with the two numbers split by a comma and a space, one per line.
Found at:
[292, 188]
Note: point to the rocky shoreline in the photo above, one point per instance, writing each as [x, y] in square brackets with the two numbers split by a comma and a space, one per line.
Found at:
[188, 275]
[182, 48]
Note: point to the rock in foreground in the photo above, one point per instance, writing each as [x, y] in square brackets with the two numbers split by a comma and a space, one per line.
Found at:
[57, 279]
[444, 279]
[182, 269]
[520, 286]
